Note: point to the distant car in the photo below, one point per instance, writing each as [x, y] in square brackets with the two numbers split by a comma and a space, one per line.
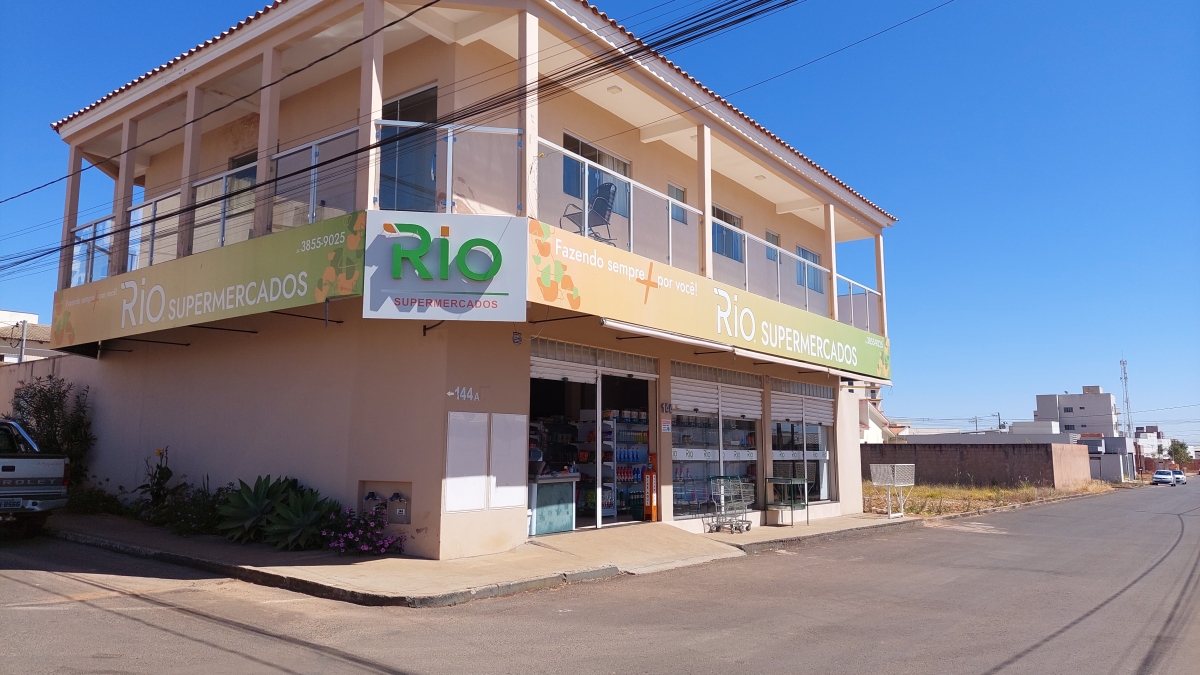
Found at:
[1180, 476]
[1163, 477]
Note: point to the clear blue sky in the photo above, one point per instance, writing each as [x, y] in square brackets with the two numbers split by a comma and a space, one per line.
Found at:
[1043, 159]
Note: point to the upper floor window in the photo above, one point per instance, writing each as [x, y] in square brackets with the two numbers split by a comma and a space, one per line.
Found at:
[1068, 409]
[678, 213]
[1069, 427]
[727, 241]
[809, 277]
[574, 174]
[243, 160]
[772, 239]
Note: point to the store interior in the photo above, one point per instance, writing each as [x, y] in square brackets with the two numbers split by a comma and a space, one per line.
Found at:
[562, 440]
[699, 454]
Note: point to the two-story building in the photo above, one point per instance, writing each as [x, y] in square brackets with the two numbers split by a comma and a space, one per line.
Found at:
[495, 259]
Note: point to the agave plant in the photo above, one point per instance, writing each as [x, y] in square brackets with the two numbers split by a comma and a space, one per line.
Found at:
[297, 521]
[245, 511]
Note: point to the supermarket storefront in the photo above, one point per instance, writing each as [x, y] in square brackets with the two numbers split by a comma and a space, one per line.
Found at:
[431, 355]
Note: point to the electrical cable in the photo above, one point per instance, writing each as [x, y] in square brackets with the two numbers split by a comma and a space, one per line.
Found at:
[444, 92]
[708, 21]
[715, 18]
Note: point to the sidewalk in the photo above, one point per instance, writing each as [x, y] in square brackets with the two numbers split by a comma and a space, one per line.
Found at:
[543, 562]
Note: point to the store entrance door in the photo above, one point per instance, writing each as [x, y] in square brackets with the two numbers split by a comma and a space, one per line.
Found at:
[593, 445]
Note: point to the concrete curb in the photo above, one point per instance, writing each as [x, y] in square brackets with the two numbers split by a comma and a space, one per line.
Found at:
[331, 592]
[891, 525]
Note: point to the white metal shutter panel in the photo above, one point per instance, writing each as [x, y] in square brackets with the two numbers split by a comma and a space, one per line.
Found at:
[741, 402]
[786, 406]
[693, 395]
[545, 369]
[818, 411]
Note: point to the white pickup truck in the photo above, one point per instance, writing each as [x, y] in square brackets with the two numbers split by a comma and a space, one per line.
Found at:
[31, 483]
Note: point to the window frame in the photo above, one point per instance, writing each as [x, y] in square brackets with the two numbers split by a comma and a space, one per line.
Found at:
[772, 254]
[678, 213]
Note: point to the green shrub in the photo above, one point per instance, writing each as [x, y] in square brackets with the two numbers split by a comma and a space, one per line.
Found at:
[186, 509]
[55, 416]
[90, 498]
[244, 511]
[298, 520]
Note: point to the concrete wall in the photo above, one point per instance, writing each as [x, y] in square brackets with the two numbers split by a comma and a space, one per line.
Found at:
[360, 400]
[1049, 464]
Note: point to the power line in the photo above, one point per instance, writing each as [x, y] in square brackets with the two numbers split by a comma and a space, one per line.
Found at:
[452, 89]
[709, 21]
[303, 68]
[713, 19]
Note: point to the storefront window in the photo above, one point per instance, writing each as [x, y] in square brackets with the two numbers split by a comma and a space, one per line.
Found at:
[698, 452]
[694, 454]
[791, 449]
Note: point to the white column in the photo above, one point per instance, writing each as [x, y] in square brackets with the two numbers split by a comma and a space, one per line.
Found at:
[123, 199]
[70, 216]
[268, 139]
[704, 199]
[370, 104]
[527, 78]
[193, 108]
[829, 258]
[880, 286]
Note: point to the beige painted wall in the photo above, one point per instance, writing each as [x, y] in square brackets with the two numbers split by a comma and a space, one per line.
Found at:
[361, 400]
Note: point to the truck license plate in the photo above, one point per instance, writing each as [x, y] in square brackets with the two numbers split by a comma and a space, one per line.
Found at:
[10, 503]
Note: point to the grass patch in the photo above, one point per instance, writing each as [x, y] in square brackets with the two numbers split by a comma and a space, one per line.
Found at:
[936, 500]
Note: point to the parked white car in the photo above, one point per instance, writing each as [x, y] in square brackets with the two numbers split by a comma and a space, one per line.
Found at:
[1163, 477]
[1180, 477]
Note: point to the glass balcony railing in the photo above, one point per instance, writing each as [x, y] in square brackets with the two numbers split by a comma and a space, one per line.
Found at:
[617, 211]
[221, 222]
[91, 255]
[306, 193]
[742, 259]
[153, 231]
[859, 306]
[417, 163]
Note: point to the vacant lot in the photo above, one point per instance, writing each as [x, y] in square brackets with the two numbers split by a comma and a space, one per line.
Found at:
[936, 500]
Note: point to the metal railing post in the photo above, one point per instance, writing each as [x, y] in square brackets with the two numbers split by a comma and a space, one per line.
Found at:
[745, 262]
[450, 170]
[585, 230]
[629, 198]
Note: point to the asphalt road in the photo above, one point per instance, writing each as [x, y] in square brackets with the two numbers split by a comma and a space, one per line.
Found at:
[1099, 585]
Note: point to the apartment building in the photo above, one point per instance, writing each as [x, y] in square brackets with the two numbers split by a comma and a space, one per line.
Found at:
[1090, 413]
[442, 265]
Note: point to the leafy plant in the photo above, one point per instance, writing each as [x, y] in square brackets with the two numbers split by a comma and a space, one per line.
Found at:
[158, 477]
[244, 511]
[187, 509]
[1179, 453]
[297, 521]
[92, 498]
[55, 416]
[361, 534]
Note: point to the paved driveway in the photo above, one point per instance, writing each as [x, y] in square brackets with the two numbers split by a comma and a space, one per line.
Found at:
[1100, 585]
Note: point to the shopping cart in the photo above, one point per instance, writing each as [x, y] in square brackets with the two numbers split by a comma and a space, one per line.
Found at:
[731, 497]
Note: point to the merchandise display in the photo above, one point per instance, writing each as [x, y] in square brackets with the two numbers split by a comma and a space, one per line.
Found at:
[700, 445]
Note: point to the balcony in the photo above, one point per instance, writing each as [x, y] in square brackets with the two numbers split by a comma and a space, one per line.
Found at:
[417, 163]
[623, 213]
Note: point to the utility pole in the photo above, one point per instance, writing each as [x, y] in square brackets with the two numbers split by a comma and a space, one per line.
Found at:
[976, 419]
[1137, 455]
[24, 334]
[999, 424]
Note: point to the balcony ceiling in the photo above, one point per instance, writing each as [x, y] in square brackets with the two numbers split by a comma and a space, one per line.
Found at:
[654, 122]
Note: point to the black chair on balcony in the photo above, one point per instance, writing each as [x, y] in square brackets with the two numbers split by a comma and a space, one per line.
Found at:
[600, 210]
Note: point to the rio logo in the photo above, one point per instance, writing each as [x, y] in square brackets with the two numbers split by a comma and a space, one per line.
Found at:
[415, 256]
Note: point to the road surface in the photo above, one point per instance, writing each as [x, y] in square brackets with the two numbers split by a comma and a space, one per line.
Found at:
[1099, 585]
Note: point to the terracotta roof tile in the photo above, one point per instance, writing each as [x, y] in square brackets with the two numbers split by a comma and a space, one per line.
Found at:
[278, 3]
